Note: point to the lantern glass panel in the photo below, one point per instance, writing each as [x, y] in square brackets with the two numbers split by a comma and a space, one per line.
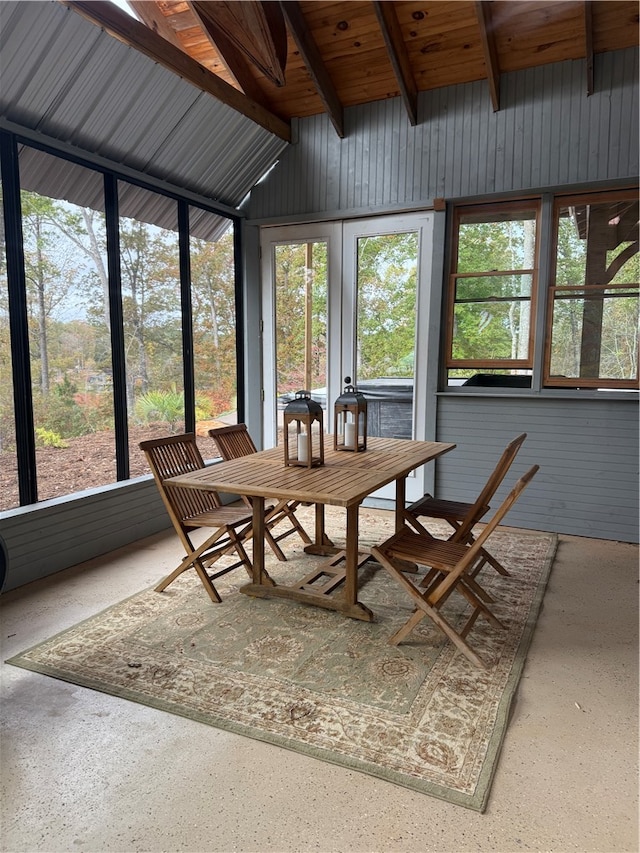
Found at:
[303, 432]
[350, 420]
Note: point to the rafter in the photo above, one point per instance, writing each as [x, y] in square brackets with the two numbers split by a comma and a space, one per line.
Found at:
[255, 29]
[236, 63]
[392, 34]
[123, 27]
[485, 25]
[152, 17]
[314, 64]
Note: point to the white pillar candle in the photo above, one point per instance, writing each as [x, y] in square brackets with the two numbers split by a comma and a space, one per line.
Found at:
[303, 447]
[349, 435]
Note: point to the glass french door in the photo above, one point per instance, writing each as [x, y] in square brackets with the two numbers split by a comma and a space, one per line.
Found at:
[301, 335]
[349, 300]
[385, 277]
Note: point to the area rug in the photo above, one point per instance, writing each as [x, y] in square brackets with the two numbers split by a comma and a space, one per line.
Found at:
[312, 680]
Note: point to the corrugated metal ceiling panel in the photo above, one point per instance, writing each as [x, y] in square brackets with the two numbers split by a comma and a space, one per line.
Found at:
[68, 79]
[60, 179]
[70, 181]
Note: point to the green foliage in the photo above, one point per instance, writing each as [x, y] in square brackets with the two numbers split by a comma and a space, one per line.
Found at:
[386, 319]
[492, 312]
[602, 324]
[69, 318]
[49, 438]
[214, 329]
[161, 406]
[61, 413]
[296, 274]
[168, 407]
[7, 422]
[386, 306]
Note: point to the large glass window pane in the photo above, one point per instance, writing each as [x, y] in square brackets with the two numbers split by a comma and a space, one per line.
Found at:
[492, 289]
[151, 309]
[594, 297]
[9, 496]
[387, 281]
[301, 321]
[214, 324]
[496, 240]
[66, 283]
[616, 331]
[489, 314]
[68, 307]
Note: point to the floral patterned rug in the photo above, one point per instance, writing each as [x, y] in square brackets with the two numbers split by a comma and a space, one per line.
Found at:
[312, 680]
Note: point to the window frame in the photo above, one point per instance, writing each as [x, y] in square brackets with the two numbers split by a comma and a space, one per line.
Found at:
[590, 383]
[10, 143]
[525, 204]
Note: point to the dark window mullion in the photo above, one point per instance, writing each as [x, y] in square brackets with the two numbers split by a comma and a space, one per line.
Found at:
[240, 330]
[482, 300]
[118, 361]
[18, 321]
[187, 318]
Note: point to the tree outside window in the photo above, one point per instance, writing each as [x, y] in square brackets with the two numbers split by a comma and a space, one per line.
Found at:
[492, 290]
[593, 310]
[68, 320]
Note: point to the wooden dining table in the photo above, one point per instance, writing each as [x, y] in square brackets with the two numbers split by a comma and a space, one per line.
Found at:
[345, 480]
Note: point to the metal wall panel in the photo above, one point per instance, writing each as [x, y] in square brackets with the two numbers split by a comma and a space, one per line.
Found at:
[547, 133]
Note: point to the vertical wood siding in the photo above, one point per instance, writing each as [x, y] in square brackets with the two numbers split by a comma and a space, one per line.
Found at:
[587, 451]
[64, 532]
[547, 133]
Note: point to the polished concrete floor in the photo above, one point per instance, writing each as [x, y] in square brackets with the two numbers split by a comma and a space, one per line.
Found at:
[83, 771]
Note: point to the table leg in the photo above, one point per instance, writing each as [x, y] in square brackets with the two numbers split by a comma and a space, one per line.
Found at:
[401, 488]
[351, 556]
[322, 545]
[320, 534]
[258, 539]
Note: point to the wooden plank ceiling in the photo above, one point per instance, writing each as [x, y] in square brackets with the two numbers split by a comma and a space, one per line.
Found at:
[288, 59]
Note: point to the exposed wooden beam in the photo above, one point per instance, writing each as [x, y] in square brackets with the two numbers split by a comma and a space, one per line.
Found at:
[123, 27]
[314, 64]
[392, 34]
[588, 43]
[255, 29]
[485, 25]
[152, 17]
[233, 58]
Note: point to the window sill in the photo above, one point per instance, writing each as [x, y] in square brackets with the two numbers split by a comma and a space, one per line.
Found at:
[546, 393]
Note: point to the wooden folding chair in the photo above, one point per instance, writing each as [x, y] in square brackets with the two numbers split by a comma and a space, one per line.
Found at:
[193, 508]
[233, 442]
[463, 517]
[450, 563]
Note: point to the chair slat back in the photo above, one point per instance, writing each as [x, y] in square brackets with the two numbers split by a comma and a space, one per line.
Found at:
[492, 485]
[474, 549]
[191, 502]
[233, 441]
[169, 457]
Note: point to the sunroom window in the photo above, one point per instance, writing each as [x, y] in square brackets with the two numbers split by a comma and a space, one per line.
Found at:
[492, 292]
[122, 327]
[593, 300]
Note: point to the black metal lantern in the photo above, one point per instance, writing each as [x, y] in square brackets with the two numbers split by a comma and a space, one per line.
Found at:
[303, 432]
[350, 420]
